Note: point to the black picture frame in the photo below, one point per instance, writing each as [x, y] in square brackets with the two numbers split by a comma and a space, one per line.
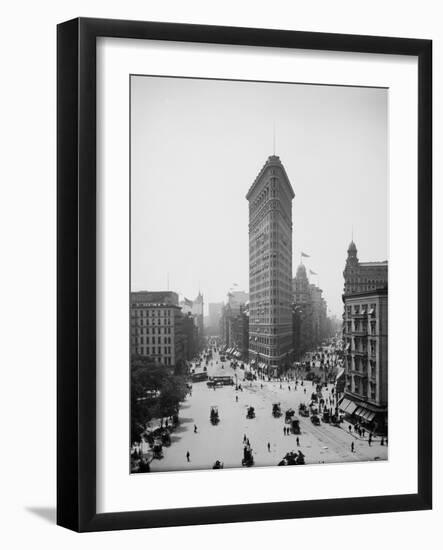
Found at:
[76, 280]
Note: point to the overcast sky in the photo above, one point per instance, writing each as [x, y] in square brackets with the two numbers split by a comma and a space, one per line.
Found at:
[197, 146]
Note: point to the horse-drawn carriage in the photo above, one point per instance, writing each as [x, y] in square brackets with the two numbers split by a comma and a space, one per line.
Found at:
[248, 459]
[157, 449]
[315, 420]
[214, 416]
[250, 413]
[288, 415]
[292, 459]
[276, 410]
[303, 410]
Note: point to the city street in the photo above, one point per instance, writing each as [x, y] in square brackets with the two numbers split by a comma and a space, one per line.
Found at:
[224, 442]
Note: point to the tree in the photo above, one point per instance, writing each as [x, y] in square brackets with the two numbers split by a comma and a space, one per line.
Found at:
[156, 392]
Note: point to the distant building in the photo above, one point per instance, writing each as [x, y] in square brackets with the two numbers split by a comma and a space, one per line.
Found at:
[365, 335]
[270, 267]
[237, 299]
[235, 324]
[190, 334]
[215, 310]
[156, 327]
[363, 276]
[196, 309]
[311, 325]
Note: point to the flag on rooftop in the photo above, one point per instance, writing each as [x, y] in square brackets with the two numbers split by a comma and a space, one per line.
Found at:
[304, 255]
[312, 272]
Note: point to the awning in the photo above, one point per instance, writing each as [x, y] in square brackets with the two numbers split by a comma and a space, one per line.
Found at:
[364, 413]
[368, 415]
[347, 406]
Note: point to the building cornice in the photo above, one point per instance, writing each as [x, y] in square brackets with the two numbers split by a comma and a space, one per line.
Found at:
[275, 161]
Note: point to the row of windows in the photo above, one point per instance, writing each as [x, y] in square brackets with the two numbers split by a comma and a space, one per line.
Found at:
[362, 309]
[153, 330]
[153, 340]
[149, 312]
[146, 322]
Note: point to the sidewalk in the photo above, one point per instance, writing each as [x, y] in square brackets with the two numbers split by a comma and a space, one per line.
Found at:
[375, 439]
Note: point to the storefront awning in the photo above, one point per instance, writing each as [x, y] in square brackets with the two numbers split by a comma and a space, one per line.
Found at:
[348, 406]
[368, 415]
[365, 414]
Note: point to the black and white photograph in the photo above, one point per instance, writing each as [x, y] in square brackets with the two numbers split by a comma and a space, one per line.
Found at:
[259, 274]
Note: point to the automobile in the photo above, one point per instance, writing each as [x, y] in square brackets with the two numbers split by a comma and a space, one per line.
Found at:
[303, 410]
[295, 426]
[315, 420]
[250, 413]
[214, 416]
[276, 410]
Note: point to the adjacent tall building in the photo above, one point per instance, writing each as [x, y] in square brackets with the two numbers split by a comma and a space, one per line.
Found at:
[270, 267]
[365, 336]
[156, 327]
[363, 276]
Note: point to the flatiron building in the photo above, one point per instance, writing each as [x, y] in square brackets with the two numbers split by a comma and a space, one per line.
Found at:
[270, 267]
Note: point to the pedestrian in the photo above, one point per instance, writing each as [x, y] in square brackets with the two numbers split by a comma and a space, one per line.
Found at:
[188, 456]
[244, 438]
[236, 398]
[269, 447]
[370, 440]
[363, 431]
[298, 442]
[284, 430]
[352, 447]
[289, 388]
[304, 390]
[350, 428]
[382, 442]
[195, 428]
